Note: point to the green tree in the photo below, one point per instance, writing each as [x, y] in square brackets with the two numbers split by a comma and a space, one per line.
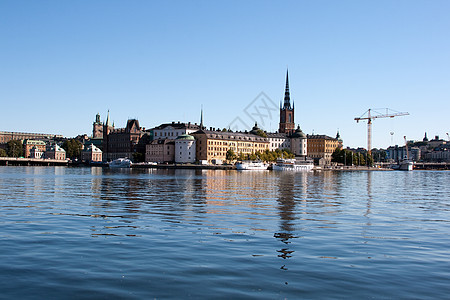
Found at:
[261, 133]
[3, 153]
[241, 156]
[288, 154]
[15, 148]
[138, 157]
[359, 159]
[73, 148]
[337, 156]
[231, 155]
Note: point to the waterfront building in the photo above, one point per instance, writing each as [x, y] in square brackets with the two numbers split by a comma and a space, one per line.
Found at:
[287, 124]
[299, 143]
[321, 147]
[29, 144]
[173, 130]
[438, 155]
[185, 147]
[55, 152]
[36, 152]
[160, 151]
[436, 142]
[396, 153]
[121, 142]
[213, 145]
[278, 141]
[6, 136]
[91, 153]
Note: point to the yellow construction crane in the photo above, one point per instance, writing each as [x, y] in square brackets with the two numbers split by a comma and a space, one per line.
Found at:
[371, 114]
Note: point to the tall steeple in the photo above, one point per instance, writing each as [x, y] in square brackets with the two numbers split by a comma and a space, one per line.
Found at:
[201, 118]
[287, 96]
[108, 121]
[287, 124]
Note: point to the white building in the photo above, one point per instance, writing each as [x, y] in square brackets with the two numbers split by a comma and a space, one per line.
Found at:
[55, 152]
[278, 141]
[173, 130]
[35, 152]
[92, 154]
[299, 143]
[185, 149]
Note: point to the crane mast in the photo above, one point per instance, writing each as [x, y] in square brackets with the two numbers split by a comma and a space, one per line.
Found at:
[371, 114]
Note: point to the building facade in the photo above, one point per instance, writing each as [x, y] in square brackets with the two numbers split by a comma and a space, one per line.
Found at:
[299, 143]
[6, 136]
[121, 142]
[29, 144]
[174, 130]
[321, 146]
[36, 152]
[213, 145]
[396, 153]
[160, 151]
[55, 152]
[91, 154]
[278, 141]
[185, 147]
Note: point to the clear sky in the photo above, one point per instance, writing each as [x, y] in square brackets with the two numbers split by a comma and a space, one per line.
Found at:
[62, 62]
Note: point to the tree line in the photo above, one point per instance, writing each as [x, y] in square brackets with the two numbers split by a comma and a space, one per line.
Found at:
[265, 155]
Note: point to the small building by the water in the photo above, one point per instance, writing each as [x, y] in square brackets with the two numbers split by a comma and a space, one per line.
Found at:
[91, 154]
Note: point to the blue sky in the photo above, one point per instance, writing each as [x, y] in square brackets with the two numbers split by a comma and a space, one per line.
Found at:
[62, 62]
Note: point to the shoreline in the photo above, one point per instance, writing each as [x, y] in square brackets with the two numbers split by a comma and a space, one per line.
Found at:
[12, 161]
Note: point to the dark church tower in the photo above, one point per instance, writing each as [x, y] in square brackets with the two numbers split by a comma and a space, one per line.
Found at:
[97, 128]
[287, 124]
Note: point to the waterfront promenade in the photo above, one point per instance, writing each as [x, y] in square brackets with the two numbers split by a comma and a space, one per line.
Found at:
[20, 161]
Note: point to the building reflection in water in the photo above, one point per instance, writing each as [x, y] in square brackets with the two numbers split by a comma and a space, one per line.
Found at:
[126, 194]
[289, 189]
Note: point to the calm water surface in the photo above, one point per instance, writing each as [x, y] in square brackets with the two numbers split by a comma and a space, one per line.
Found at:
[134, 234]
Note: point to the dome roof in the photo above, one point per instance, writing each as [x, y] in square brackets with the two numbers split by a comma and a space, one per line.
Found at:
[298, 133]
[255, 129]
[185, 137]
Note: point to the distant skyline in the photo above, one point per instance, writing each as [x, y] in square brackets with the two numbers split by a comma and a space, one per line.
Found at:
[62, 62]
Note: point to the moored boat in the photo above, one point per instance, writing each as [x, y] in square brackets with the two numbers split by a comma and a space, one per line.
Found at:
[293, 164]
[120, 163]
[251, 165]
[404, 165]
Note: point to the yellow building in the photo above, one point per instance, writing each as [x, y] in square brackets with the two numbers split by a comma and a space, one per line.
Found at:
[213, 145]
[321, 146]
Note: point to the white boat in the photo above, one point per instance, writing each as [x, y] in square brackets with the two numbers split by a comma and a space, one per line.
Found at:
[404, 165]
[293, 164]
[120, 163]
[251, 165]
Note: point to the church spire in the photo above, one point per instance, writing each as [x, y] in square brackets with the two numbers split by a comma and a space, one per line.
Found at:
[108, 121]
[201, 118]
[287, 97]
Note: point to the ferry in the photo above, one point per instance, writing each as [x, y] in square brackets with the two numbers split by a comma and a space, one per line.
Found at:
[293, 164]
[251, 165]
[120, 163]
[404, 165]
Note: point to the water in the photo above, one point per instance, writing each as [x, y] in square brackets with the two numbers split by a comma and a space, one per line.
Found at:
[137, 234]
